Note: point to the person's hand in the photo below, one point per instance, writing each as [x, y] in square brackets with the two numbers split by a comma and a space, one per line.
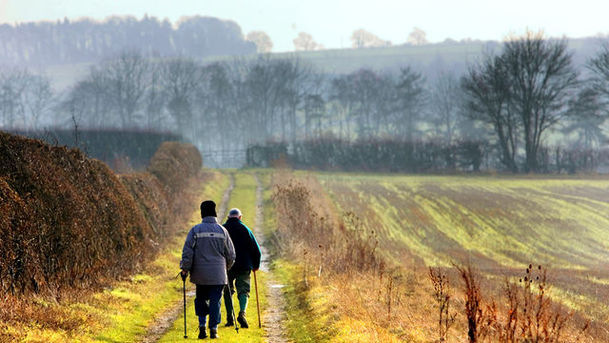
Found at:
[184, 274]
[255, 270]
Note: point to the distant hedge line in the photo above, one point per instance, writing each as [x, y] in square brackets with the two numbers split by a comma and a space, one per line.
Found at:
[111, 146]
[370, 155]
[392, 155]
[68, 221]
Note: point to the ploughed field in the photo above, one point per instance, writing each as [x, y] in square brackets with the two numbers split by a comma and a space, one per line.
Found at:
[499, 224]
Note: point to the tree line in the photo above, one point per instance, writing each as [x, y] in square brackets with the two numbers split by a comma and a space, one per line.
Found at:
[528, 104]
[86, 40]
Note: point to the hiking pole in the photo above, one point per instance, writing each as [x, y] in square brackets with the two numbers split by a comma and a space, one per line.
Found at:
[184, 292]
[230, 298]
[257, 302]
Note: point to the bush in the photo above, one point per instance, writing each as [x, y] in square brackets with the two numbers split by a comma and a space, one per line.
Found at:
[174, 163]
[68, 221]
[152, 200]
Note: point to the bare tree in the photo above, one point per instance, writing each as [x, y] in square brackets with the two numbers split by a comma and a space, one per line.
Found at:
[523, 92]
[417, 37]
[368, 99]
[39, 99]
[542, 80]
[445, 103]
[262, 40]
[13, 87]
[180, 79]
[486, 87]
[215, 95]
[87, 103]
[305, 42]
[155, 98]
[127, 79]
[587, 116]
[599, 68]
[342, 103]
[314, 110]
[410, 101]
[591, 107]
[364, 39]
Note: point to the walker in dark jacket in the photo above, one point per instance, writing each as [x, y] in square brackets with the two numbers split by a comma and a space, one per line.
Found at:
[247, 259]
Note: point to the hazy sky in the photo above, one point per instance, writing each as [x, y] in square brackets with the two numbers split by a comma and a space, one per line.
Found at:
[331, 22]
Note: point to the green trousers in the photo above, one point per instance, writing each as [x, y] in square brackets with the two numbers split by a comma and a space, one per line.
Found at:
[241, 281]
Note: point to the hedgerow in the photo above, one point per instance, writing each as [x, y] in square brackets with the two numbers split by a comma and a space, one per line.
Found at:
[67, 221]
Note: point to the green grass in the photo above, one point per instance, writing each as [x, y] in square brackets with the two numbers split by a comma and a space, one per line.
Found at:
[132, 306]
[502, 222]
[270, 221]
[499, 224]
[304, 322]
[243, 197]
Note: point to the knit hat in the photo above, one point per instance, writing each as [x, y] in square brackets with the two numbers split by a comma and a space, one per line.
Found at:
[208, 209]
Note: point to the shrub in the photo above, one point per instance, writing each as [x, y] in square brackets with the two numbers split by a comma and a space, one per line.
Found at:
[68, 221]
[77, 222]
[174, 163]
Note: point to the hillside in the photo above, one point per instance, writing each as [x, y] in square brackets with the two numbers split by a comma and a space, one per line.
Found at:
[429, 59]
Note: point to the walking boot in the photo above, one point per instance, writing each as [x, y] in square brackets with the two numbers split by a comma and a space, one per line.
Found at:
[230, 322]
[241, 320]
[202, 333]
[213, 333]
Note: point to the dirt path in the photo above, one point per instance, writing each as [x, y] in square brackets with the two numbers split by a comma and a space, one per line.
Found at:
[167, 318]
[274, 317]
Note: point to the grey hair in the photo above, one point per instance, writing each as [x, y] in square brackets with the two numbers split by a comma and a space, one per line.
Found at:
[234, 213]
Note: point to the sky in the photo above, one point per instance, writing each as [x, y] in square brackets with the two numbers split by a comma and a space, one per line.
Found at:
[331, 22]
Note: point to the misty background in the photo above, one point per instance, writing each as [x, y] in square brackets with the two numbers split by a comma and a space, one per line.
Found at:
[413, 106]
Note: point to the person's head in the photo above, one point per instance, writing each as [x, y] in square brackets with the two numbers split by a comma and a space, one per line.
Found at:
[234, 213]
[208, 209]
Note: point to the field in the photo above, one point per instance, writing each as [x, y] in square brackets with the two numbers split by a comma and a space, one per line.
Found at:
[498, 224]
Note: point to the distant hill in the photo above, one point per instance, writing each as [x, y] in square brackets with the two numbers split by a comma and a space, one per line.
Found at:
[43, 44]
[428, 59]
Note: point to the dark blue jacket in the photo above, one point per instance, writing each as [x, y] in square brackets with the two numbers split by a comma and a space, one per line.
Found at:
[246, 246]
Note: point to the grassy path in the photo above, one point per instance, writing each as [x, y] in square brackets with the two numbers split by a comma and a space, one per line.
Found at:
[165, 321]
[243, 197]
[125, 312]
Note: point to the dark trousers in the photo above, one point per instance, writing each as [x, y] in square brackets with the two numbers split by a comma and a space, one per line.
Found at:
[241, 281]
[207, 302]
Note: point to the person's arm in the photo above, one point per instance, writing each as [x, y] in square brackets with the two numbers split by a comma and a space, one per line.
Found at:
[229, 251]
[255, 252]
[187, 253]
